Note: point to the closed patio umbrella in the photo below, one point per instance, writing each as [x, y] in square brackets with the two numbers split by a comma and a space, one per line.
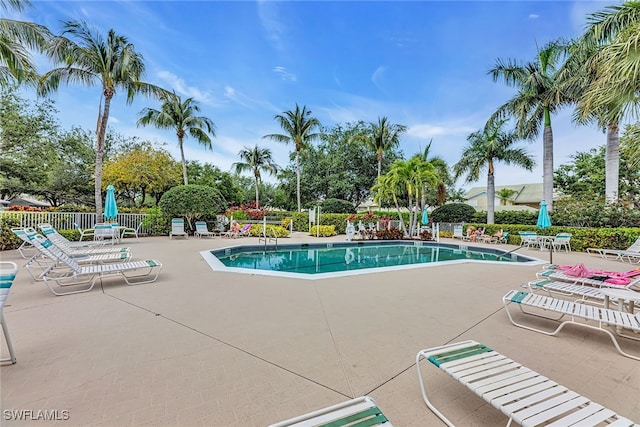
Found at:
[425, 216]
[110, 206]
[544, 222]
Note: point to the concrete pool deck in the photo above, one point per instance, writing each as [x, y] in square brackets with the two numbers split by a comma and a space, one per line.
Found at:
[204, 348]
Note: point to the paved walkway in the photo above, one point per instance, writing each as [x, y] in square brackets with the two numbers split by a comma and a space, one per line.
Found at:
[204, 348]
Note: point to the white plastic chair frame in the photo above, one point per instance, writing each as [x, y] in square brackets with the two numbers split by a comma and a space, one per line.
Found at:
[8, 272]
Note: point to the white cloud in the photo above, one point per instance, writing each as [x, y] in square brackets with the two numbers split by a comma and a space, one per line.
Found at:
[284, 74]
[269, 18]
[378, 76]
[534, 16]
[425, 130]
[181, 88]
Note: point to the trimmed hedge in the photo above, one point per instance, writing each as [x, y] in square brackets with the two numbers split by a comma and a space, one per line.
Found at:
[581, 239]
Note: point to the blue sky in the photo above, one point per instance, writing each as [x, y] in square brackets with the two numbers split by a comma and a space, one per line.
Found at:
[422, 64]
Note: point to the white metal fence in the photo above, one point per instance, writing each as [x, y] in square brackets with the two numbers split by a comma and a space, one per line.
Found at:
[67, 220]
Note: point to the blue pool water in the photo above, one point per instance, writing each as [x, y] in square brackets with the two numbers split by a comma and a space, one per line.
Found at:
[327, 258]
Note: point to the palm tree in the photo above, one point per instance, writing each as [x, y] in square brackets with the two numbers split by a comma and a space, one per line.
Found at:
[16, 39]
[610, 78]
[112, 63]
[298, 126]
[381, 137]
[505, 194]
[485, 148]
[408, 179]
[256, 159]
[444, 176]
[539, 95]
[181, 116]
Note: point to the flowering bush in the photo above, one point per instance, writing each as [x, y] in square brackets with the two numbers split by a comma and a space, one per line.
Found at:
[426, 235]
[246, 211]
[391, 234]
[323, 230]
[24, 209]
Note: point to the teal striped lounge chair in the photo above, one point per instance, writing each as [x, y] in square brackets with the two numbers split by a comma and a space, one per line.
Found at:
[523, 395]
[612, 322]
[361, 412]
[56, 279]
[8, 271]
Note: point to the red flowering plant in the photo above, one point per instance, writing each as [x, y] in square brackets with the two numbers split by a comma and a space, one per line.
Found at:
[24, 209]
[351, 217]
[246, 211]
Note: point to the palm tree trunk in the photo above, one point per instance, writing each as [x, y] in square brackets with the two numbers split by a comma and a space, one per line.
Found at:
[102, 130]
[547, 167]
[298, 179]
[491, 194]
[184, 162]
[257, 193]
[379, 164]
[612, 163]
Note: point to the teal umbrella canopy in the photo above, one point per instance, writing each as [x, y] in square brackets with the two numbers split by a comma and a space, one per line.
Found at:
[110, 206]
[544, 221]
[425, 216]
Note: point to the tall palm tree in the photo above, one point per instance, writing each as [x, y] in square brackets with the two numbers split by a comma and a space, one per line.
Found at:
[485, 148]
[611, 78]
[111, 62]
[298, 126]
[442, 170]
[16, 39]
[254, 160]
[381, 137]
[539, 95]
[181, 116]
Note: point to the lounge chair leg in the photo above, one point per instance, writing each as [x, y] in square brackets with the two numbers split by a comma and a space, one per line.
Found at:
[12, 354]
[426, 399]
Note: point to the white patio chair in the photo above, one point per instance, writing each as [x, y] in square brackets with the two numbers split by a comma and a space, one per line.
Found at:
[177, 228]
[87, 232]
[129, 231]
[202, 230]
[562, 240]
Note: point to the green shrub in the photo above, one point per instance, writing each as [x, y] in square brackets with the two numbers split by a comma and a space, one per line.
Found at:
[191, 202]
[453, 212]
[156, 222]
[323, 230]
[8, 240]
[69, 207]
[337, 206]
[508, 217]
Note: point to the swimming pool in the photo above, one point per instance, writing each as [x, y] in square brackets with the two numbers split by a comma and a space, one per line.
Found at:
[324, 260]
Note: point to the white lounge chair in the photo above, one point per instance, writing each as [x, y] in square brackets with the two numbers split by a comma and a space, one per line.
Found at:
[53, 235]
[202, 230]
[361, 411]
[75, 274]
[523, 395]
[457, 232]
[8, 271]
[529, 239]
[561, 276]
[45, 260]
[73, 250]
[177, 228]
[611, 322]
[632, 252]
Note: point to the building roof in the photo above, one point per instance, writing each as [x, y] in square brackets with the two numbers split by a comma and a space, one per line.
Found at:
[524, 193]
